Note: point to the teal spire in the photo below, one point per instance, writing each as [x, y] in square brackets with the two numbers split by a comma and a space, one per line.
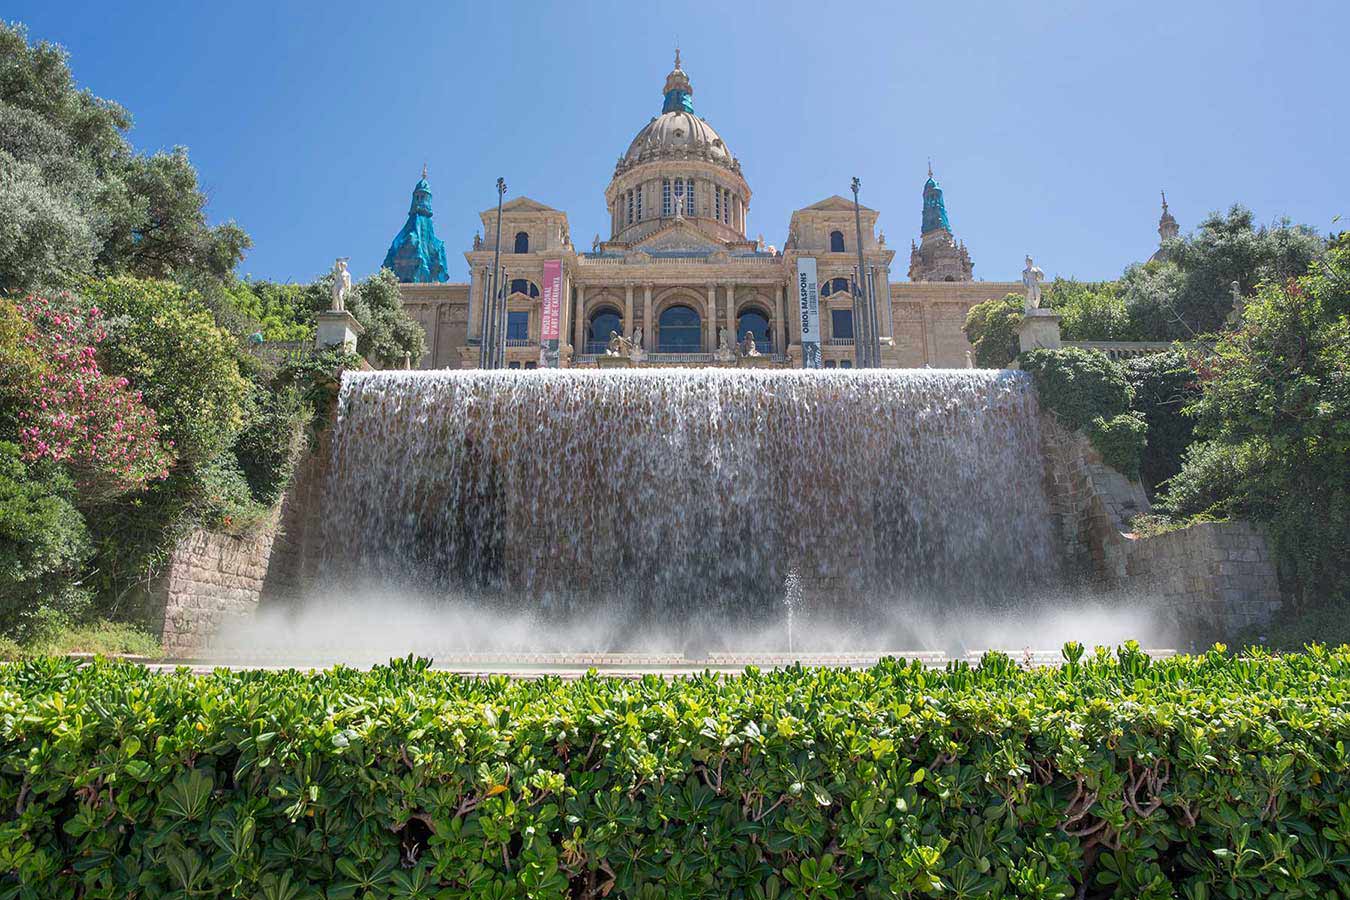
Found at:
[679, 93]
[417, 255]
[934, 210]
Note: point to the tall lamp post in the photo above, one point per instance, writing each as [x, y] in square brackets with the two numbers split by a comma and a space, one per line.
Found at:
[489, 356]
[863, 320]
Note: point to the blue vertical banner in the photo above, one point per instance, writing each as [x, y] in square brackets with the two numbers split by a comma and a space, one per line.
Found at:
[808, 311]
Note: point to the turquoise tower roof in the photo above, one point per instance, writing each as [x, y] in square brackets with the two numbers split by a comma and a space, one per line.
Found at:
[934, 210]
[417, 255]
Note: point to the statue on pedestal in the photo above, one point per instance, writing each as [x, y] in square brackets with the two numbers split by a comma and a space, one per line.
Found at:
[747, 346]
[723, 353]
[1032, 277]
[341, 286]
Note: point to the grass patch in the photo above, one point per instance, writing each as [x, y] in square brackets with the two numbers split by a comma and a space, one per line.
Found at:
[104, 638]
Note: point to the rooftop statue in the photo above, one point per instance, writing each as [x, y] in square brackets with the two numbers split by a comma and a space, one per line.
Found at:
[1032, 277]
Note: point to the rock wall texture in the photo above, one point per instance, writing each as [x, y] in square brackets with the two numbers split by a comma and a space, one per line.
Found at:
[1199, 584]
[211, 579]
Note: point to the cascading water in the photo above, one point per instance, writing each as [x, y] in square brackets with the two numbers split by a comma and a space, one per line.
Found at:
[670, 505]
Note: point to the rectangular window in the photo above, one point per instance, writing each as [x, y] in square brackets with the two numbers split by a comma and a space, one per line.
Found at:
[665, 197]
[630, 207]
[518, 326]
[689, 206]
[639, 203]
[717, 203]
[841, 323]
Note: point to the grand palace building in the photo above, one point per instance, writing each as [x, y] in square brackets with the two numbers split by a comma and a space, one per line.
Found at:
[678, 265]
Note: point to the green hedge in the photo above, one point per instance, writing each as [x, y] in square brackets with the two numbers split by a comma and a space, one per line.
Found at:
[1195, 777]
[1088, 391]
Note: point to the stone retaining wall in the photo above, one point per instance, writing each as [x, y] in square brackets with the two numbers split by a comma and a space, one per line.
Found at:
[1201, 583]
[211, 579]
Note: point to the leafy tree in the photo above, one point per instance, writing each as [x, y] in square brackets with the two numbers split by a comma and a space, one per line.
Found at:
[43, 545]
[187, 368]
[1164, 385]
[1091, 311]
[991, 328]
[281, 312]
[1191, 293]
[75, 198]
[1274, 419]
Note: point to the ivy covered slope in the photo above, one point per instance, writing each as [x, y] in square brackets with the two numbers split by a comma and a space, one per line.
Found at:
[1199, 777]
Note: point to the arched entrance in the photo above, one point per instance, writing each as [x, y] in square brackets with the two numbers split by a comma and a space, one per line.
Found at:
[679, 330]
[603, 320]
[756, 321]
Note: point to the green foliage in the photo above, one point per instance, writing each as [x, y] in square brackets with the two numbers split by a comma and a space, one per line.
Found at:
[75, 199]
[1164, 385]
[186, 367]
[1191, 293]
[1274, 420]
[43, 544]
[1091, 311]
[1078, 385]
[283, 312]
[991, 328]
[100, 637]
[1120, 440]
[267, 448]
[1108, 776]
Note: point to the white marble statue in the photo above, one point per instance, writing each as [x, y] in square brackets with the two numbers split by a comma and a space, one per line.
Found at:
[748, 347]
[1032, 276]
[637, 338]
[342, 285]
[970, 360]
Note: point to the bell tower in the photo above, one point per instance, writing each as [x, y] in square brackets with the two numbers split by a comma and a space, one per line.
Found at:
[937, 256]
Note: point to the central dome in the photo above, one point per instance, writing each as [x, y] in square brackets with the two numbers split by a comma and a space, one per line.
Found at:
[677, 133]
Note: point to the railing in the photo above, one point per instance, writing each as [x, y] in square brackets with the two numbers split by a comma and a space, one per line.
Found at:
[280, 353]
[595, 348]
[521, 342]
[839, 342]
[1119, 350]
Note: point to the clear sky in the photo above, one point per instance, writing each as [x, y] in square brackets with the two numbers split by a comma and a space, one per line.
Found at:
[1052, 125]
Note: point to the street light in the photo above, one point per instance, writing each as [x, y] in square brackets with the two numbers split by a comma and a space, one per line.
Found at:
[864, 323]
[491, 355]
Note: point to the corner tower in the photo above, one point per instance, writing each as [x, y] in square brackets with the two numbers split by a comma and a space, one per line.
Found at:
[417, 255]
[677, 167]
[937, 256]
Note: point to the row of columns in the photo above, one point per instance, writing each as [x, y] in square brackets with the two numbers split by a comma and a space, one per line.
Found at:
[709, 318]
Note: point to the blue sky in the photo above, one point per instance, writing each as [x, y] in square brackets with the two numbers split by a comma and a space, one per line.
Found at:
[1052, 125]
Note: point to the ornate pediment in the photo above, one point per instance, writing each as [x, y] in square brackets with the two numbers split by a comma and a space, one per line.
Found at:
[523, 204]
[679, 236]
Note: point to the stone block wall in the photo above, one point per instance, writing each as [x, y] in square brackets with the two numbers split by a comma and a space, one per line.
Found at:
[1201, 583]
[211, 579]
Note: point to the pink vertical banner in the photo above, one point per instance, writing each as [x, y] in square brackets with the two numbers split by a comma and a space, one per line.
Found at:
[551, 309]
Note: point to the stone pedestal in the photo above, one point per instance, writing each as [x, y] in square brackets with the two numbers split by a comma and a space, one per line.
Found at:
[1039, 330]
[605, 361]
[758, 361]
[337, 328]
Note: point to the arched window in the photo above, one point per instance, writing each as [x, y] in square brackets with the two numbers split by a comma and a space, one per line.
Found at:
[603, 321]
[845, 363]
[680, 330]
[833, 286]
[829, 364]
[836, 242]
[524, 286]
[522, 242]
[756, 322]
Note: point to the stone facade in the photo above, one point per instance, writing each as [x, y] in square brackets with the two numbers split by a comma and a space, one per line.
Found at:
[677, 206]
[1200, 583]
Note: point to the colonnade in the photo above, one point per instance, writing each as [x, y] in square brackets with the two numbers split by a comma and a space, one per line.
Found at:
[709, 315]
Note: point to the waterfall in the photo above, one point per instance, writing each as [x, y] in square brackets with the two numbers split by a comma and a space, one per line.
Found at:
[677, 501]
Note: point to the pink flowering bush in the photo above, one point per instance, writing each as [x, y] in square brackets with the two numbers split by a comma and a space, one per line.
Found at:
[91, 422]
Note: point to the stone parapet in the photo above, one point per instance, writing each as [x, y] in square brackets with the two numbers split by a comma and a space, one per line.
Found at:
[211, 579]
